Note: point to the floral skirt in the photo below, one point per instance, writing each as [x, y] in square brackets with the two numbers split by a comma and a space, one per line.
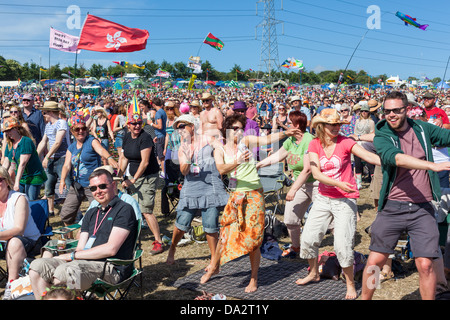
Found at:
[242, 224]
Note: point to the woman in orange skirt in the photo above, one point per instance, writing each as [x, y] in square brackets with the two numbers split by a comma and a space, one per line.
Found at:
[242, 221]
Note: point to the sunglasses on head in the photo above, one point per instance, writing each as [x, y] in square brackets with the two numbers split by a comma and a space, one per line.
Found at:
[396, 111]
[102, 186]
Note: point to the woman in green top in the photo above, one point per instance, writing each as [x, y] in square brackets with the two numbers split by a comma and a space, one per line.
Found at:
[22, 159]
[305, 187]
[242, 221]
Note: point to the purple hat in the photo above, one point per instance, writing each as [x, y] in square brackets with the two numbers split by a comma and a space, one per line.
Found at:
[239, 105]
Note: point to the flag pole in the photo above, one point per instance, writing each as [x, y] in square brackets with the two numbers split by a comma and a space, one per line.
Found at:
[445, 72]
[75, 75]
[348, 63]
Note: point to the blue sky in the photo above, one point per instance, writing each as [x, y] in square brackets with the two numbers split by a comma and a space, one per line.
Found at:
[323, 33]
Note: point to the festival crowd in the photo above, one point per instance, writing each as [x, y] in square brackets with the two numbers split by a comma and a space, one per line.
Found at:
[112, 151]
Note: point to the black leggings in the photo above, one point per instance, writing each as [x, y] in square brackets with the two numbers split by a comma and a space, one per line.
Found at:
[359, 166]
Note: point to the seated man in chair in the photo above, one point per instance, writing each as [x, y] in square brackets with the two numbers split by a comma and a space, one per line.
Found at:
[107, 231]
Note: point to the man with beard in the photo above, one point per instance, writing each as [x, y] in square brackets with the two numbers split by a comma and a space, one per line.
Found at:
[410, 184]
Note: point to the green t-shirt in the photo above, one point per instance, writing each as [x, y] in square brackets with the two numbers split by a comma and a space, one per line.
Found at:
[33, 173]
[296, 152]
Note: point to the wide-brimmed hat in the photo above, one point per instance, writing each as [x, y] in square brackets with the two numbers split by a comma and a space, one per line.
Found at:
[10, 123]
[411, 99]
[295, 98]
[185, 118]
[207, 96]
[329, 116]
[51, 106]
[240, 105]
[195, 103]
[373, 105]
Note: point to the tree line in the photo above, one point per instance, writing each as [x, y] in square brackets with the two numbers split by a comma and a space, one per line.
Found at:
[30, 71]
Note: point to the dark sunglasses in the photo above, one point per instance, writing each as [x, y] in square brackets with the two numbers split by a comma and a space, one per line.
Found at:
[102, 186]
[13, 111]
[135, 123]
[170, 108]
[396, 111]
[80, 129]
[182, 126]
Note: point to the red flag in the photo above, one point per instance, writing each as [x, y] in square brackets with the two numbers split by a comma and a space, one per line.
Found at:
[106, 36]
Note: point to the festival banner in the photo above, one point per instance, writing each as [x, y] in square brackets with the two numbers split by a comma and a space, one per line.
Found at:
[213, 42]
[162, 73]
[63, 42]
[106, 36]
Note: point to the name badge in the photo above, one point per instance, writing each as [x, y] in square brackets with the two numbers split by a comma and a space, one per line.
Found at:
[90, 242]
[195, 169]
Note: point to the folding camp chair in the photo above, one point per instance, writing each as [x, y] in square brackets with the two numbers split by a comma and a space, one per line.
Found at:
[39, 213]
[119, 291]
[272, 179]
[170, 193]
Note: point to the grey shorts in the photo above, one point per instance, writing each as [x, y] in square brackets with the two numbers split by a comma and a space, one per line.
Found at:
[77, 274]
[417, 219]
[159, 147]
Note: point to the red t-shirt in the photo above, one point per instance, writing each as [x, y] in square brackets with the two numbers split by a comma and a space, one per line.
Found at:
[437, 113]
[337, 167]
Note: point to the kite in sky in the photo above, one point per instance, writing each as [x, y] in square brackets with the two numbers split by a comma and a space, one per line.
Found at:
[409, 20]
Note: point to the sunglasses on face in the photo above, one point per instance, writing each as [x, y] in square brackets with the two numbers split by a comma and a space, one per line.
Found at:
[396, 111]
[169, 108]
[135, 123]
[182, 126]
[82, 129]
[102, 186]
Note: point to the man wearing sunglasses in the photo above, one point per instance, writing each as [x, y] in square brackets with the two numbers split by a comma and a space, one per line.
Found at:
[108, 231]
[410, 184]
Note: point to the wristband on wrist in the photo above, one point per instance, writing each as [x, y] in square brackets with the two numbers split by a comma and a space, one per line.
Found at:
[72, 255]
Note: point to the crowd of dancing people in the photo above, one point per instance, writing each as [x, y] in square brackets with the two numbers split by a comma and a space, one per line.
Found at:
[115, 148]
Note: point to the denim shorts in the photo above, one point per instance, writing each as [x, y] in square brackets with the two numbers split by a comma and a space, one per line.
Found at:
[53, 171]
[118, 141]
[32, 248]
[210, 219]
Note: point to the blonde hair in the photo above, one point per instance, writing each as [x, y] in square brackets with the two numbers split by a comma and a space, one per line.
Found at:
[320, 133]
[23, 132]
[4, 174]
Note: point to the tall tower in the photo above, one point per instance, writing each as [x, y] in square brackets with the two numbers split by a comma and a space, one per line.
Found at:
[269, 60]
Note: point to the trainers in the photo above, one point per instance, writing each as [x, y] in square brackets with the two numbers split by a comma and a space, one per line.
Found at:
[7, 293]
[157, 248]
[291, 252]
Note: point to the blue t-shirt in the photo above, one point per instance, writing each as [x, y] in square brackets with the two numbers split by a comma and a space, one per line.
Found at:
[161, 114]
[90, 160]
